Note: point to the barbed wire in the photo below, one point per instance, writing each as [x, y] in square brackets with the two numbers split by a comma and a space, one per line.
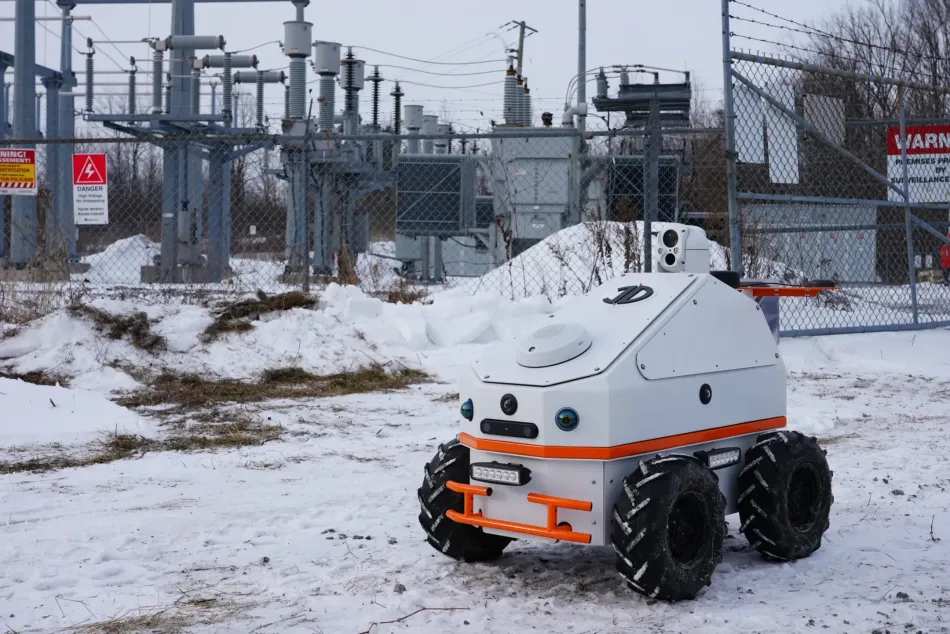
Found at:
[814, 32]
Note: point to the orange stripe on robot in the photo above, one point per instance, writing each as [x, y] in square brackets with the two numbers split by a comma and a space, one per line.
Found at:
[620, 451]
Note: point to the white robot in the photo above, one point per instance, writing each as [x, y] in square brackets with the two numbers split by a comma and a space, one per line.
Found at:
[639, 416]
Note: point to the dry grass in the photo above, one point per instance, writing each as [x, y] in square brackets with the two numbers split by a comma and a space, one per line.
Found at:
[135, 327]
[37, 377]
[236, 431]
[404, 292]
[238, 316]
[195, 392]
[110, 448]
[161, 622]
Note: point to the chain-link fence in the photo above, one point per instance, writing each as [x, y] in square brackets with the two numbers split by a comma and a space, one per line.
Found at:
[519, 212]
[821, 185]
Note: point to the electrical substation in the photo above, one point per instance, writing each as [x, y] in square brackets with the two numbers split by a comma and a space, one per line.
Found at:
[463, 204]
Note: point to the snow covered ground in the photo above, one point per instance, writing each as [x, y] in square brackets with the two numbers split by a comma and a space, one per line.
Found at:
[318, 532]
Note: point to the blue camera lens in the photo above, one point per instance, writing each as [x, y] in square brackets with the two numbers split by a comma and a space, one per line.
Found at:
[468, 410]
[567, 419]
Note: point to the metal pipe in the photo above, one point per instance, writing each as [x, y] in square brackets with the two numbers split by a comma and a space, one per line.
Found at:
[194, 42]
[63, 204]
[911, 260]
[732, 180]
[822, 200]
[237, 61]
[846, 74]
[581, 62]
[54, 164]
[854, 330]
[51, 18]
[23, 232]
[816, 132]
[250, 76]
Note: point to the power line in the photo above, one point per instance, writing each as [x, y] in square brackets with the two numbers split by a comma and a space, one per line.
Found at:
[254, 48]
[429, 72]
[491, 83]
[423, 61]
[99, 28]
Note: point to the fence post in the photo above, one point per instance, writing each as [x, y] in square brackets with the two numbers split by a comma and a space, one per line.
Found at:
[909, 227]
[735, 234]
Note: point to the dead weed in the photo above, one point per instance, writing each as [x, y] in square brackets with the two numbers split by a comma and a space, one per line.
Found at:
[238, 316]
[135, 327]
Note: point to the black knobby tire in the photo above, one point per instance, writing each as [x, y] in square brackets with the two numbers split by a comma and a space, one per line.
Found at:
[668, 527]
[458, 541]
[785, 495]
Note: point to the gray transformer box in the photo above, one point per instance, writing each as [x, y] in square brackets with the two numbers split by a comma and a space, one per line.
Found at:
[532, 185]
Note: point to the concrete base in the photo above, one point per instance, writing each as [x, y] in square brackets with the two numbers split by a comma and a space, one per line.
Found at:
[183, 275]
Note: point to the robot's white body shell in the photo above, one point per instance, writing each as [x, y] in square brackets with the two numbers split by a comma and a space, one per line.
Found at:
[635, 387]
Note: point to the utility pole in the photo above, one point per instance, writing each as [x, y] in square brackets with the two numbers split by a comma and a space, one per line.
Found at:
[523, 31]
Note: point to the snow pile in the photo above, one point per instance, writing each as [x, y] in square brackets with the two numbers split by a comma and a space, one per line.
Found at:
[581, 257]
[37, 415]
[121, 261]
[347, 330]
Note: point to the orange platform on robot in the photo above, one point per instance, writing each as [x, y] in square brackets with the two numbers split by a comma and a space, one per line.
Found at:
[620, 451]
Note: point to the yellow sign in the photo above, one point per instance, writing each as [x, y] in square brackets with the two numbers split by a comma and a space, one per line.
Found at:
[17, 172]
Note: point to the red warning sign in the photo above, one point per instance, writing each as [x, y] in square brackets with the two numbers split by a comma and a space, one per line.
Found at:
[89, 169]
[90, 189]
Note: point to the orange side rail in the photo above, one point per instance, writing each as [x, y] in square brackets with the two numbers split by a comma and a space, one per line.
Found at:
[786, 291]
[554, 530]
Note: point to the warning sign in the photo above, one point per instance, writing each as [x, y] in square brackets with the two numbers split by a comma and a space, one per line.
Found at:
[928, 163]
[17, 172]
[90, 189]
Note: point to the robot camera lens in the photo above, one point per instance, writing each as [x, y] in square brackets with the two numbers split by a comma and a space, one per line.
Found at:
[670, 238]
[670, 259]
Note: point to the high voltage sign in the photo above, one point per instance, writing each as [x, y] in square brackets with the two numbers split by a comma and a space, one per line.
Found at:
[90, 189]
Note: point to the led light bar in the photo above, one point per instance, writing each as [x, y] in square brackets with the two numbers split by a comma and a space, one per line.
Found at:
[720, 458]
[497, 473]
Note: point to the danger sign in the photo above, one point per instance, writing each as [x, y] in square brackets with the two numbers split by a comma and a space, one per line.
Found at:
[90, 189]
[928, 163]
[17, 172]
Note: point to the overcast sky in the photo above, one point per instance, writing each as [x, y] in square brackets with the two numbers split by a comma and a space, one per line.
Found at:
[680, 34]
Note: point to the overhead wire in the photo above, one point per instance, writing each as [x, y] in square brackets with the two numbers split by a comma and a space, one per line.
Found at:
[116, 48]
[429, 72]
[423, 61]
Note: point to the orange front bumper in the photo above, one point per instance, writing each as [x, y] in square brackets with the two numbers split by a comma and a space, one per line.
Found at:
[554, 530]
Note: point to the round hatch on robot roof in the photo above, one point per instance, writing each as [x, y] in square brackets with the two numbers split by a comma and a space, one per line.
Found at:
[553, 344]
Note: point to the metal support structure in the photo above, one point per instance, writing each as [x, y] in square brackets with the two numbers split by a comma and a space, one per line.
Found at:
[4, 109]
[732, 180]
[23, 231]
[219, 206]
[582, 62]
[63, 203]
[911, 260]
[55, 165]
[651, 185]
